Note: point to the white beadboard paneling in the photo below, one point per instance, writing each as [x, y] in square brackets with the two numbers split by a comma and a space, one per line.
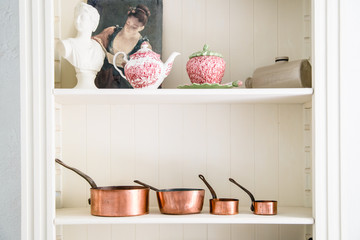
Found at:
[218, 31]
[172, 35]
[266, 152]
[291, 155]
[218, 159]
[194, 156]
[170, 158]
[293, 232]
[217, 232]
[96, 232]
[241, 40]
[98, 143]
[242, 151]
[123, 231]
[147, 232]
[265, 32]
[195, 231]
[194, 160]
[122, 145]
[290, 28]
[267, 232]
[172, 231]
[75, 232]
[246, 232]
[170, 146]
[218, 148]
[75, 188]
[147, 146]
[243, 232]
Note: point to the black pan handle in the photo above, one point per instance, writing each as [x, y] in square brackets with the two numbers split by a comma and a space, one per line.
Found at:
[83, 175]
[208, 185]
[247, 191]
[146, 185]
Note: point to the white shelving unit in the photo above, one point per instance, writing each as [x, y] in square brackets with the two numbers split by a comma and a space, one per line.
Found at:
[168, 96]
[286, 215]
[105, 97]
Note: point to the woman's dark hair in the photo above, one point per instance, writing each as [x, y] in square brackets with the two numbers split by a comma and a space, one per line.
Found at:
[141, 12]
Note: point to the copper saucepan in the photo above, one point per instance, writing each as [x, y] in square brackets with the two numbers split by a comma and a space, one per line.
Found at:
[221, 206]
[115, 201]
[178, 201]
[259, 207]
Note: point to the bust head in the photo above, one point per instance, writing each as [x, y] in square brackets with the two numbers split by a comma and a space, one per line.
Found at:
[86, 17]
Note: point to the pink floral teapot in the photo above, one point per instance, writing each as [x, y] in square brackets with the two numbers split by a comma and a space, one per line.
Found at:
[145, 69]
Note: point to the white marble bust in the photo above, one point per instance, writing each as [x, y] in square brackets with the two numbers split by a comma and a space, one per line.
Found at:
[84, 53]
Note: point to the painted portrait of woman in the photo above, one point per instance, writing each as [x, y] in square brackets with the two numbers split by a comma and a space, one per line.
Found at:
[124, 26]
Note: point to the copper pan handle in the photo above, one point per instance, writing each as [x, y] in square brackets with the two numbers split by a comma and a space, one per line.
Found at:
[208, 185]
[247, 191]
[83, 175]
[145, 185]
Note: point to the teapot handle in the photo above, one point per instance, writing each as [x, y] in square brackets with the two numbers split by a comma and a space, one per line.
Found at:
[114, 62]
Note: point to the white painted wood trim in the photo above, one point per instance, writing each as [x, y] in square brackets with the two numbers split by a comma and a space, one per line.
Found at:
[286, 215]
[37, 104]
[167, 96]
[326, 119]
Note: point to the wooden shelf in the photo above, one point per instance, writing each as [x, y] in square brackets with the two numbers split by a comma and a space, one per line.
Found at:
[182, 96]
[286, 215]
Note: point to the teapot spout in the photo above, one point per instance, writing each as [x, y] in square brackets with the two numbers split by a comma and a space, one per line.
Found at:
[169, 63]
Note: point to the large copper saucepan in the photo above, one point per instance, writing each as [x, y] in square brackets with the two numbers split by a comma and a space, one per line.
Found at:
[259, 207]
[221, 206]
[178, 201]
[115, 201]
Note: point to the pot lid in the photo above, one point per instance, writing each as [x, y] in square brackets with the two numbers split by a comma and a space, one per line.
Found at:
[205, 52]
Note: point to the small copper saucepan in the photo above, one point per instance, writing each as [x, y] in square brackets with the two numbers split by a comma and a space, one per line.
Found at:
[221, 206]
[259, 207]
[115, 201]
[178, 201]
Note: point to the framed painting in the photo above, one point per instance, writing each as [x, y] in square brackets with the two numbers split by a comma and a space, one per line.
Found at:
[114, 12]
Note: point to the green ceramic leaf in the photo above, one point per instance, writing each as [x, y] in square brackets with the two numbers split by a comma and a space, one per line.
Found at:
[204, 85]
[205, 52]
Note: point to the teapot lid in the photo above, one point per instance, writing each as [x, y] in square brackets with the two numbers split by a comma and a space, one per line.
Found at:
[205, 52]
[145, 51]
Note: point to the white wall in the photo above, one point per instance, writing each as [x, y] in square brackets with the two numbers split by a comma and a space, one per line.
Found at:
[248, 33]
[10, 168]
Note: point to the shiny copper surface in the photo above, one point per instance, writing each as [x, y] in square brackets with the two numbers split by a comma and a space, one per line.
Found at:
[265, 207]
[119, 201]
[224, 206]
[180, 201]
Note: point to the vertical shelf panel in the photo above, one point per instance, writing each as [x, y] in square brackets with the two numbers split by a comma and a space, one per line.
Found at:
[242, 151]
[74, 189]
[290, 29]
[218, 159]
[291, 155]
[146, 157]
[194, 160]
[241, 39]
[122, 144]
[172, 41]
[98, 143]
[265, 32]
[170, 146]
[266, 151]
[120, 231]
